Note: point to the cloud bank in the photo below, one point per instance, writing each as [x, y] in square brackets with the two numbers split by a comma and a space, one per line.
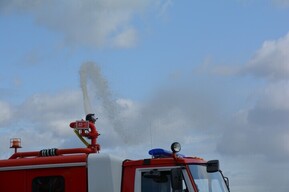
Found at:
[270, 61]
[102, 23]
[257, 133]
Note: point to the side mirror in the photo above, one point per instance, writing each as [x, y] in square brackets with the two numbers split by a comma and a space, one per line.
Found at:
[213, 166]
[176, 179]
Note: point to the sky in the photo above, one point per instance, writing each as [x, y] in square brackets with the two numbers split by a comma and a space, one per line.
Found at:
[212, 75]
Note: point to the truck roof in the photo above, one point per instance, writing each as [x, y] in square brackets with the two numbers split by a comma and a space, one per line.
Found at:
[164, 161]
[43, 162]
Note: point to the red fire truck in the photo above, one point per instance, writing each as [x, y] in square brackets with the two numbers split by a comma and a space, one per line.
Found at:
[87, 170]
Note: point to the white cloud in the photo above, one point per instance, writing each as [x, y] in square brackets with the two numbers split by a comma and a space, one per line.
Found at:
[257, 133]
[126, 39]
[259, 130]
[281, 2]
[122, 122]
[45, 107]
[164, 6]
[5, 112]
[258, 137]
[271, 60]
[275, 95]
[42, 121]
[99, 23]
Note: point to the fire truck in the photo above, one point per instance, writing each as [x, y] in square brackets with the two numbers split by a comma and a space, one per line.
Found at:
[87, 170]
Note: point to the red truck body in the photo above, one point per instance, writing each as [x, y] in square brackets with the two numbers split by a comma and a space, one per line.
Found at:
[87, 170]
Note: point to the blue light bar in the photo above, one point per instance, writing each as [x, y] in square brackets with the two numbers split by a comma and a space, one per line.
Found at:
[161, 153]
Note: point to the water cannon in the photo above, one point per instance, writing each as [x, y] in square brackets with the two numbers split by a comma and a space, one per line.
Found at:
[86, 129]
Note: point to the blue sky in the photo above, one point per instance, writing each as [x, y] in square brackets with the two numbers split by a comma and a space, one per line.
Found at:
[210, 74]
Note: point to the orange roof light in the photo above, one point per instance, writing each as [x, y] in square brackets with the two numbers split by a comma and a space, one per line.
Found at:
[15, 143]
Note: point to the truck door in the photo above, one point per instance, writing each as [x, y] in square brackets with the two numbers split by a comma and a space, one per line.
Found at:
[159, 180]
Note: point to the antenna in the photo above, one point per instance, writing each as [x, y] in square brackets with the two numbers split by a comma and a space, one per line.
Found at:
[151, 134]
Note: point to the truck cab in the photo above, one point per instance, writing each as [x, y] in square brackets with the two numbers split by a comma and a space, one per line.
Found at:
[169, 172]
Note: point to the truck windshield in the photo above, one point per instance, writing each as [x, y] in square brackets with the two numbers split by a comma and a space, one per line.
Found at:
[207, 182]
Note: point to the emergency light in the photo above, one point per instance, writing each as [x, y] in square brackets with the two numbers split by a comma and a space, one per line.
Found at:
[162, 153]
[176, 147]
[15, 143]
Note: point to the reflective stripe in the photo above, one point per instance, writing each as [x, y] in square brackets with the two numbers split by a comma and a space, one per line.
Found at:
[43, 166]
